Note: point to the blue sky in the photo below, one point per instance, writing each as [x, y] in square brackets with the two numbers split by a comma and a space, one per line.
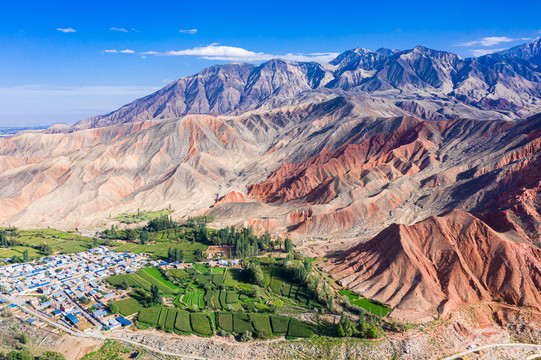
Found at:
[63, 61]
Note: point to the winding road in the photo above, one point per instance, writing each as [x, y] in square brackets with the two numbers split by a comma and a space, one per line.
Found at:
[534, 347]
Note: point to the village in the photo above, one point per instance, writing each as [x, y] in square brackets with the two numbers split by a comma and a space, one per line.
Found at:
[69, 288]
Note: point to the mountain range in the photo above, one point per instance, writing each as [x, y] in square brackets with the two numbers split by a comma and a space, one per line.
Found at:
[430, 84]
[350, 158]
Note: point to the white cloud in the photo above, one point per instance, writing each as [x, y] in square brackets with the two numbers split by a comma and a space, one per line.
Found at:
[481, 52]
[118, 29]
[127, 51]
[231, 53]
[111, 51]
[491, 41]
[66, 30]
[188, 31]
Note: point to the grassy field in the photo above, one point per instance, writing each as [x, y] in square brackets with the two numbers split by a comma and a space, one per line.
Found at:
[129, 306]
[369, 305]
[60, 241]
[140, 216]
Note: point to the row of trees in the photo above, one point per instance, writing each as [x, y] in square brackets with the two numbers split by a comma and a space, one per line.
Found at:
[244, 240]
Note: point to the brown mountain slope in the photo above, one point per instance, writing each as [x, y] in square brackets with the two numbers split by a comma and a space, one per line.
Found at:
[440, 263]
[321, 170]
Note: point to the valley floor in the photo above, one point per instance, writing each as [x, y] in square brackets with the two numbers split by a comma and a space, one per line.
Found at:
[436, 340]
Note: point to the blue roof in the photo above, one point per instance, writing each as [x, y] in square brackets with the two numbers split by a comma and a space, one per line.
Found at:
[30, 320]
[72, 319]
[99, 313]
[123, 321]
[57, 312]
[12, 306]
[3, 301]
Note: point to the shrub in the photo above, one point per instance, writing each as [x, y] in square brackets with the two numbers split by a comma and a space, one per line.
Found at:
[246, 336]
[51, 355]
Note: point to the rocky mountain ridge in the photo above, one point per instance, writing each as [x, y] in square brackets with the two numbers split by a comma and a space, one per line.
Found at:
[419, 81]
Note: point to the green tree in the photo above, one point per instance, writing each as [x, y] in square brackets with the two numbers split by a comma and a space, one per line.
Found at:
[253, 273]
[95, 243]
[155, 296]
[4, 241]
[113, 307]
[198, 255]
[20, 355]
[256, 292]
[51, 355]
[372, 332]
[45, 249]
[23, 338]
[26, 257]
[288, 245]
[340, 331]
[131, 234]
[145, 237]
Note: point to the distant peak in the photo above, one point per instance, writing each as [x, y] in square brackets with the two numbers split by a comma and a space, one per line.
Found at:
[386, 51]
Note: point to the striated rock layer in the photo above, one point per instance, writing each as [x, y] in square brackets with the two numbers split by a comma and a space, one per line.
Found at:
[439, 264]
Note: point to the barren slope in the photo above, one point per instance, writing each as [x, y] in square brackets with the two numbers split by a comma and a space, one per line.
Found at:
[440, 263]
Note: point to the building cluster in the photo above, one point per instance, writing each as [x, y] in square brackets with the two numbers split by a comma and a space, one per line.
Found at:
[69, 288]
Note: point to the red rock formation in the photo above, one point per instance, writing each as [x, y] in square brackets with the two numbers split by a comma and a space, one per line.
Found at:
[439, 264]
[233, 196]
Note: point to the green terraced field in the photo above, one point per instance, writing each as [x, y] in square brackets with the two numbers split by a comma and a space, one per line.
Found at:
[200, 324]
[182, 322]
[299, 329]
[280, 324]
[170, 320]
[261, 322]
[225, 321]
[242, 323]
[162, 317]
[149, 315]
[366, 304]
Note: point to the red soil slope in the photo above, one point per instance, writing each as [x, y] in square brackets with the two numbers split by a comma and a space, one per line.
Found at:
[440, 263]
